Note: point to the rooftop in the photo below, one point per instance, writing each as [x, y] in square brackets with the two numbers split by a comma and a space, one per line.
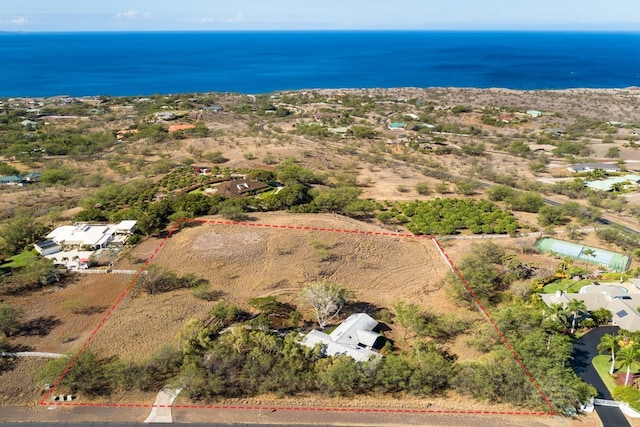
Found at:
[354, 337]
[608, 184]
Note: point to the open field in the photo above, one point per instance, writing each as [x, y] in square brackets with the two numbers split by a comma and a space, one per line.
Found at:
[242, 262]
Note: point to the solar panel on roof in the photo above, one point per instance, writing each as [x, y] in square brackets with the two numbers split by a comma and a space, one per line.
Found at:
[621, 313]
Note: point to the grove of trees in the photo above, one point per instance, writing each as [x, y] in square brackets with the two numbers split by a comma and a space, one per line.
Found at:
[450, 216]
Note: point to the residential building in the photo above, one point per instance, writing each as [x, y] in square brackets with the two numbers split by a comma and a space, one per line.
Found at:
[91, 236]
[239, 187]
[397, 126]
[622, 304]
[46, 247]
[554, 131]
[32, 177]
[29, 124]
[11, 180]
[590, 167]
[619, 182]
[355, 337]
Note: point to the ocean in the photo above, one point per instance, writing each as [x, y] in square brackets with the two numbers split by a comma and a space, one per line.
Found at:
[145, 63]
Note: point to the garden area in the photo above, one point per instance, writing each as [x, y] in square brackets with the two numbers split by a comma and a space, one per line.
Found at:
[620, 369]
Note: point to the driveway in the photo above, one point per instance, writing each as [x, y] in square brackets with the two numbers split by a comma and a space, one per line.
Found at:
[584, 350]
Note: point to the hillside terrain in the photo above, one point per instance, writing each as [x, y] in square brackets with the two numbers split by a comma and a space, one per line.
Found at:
[330, 159]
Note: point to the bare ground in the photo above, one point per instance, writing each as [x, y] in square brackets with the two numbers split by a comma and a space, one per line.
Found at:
[243, 262]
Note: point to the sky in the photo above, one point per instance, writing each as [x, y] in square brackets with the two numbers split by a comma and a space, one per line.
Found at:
[242, 15]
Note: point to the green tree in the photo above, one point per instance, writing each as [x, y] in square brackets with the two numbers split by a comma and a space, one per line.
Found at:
[609, 343]
[422, 188]
[557, 317]
[20, 231]
[363, 132]
[6, 169]
[613, 152]
[527, 201]
[88, 374]
[499, 193]
[394, 374]
[289, 172]
[601, 316]
[627, 356]
[466, 186]
[36, 273]
[575, 306]
[408, 316]
[551, 215]
[482, 269]
[10, 319]
[340, 375]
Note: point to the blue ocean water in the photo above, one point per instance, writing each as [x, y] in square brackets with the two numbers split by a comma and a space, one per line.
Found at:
[76, 64]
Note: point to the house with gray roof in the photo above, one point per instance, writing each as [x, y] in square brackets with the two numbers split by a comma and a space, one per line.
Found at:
[355, 337]
[46, 247]
[622, 304]
[590, 167]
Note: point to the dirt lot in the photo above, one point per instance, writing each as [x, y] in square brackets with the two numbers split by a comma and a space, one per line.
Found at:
[52, 326]
[243, 262]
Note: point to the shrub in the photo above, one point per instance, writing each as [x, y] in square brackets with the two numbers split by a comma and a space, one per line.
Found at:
[423, 188]
[628, 394]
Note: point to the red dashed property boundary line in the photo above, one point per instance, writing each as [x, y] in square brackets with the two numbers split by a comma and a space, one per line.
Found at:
[552, 411]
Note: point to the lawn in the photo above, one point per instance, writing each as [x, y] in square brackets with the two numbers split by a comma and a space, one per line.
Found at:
[566, 285]
[20, 260]
[602, 363]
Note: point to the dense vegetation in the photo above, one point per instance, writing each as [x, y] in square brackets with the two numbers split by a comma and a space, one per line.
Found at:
[542, 340]
[450, 216]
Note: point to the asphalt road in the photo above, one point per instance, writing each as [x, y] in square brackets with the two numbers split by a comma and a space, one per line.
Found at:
[584, 350]
[109, 416]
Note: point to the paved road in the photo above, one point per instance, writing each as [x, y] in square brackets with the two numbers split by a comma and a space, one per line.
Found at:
[584, 350]
[99, 416]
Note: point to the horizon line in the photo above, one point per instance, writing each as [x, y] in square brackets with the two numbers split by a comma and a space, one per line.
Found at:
[335, 30]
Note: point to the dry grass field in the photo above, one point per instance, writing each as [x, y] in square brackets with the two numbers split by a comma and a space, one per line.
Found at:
[243, 262]
[240, 262]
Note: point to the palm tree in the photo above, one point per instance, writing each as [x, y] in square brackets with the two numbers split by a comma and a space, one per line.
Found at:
[589, 253]
[628, 356]
[558, 315]
[575, 306]
[609, 343]
[556, 318]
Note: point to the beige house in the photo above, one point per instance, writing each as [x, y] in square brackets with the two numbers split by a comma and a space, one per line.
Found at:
[622, 303]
